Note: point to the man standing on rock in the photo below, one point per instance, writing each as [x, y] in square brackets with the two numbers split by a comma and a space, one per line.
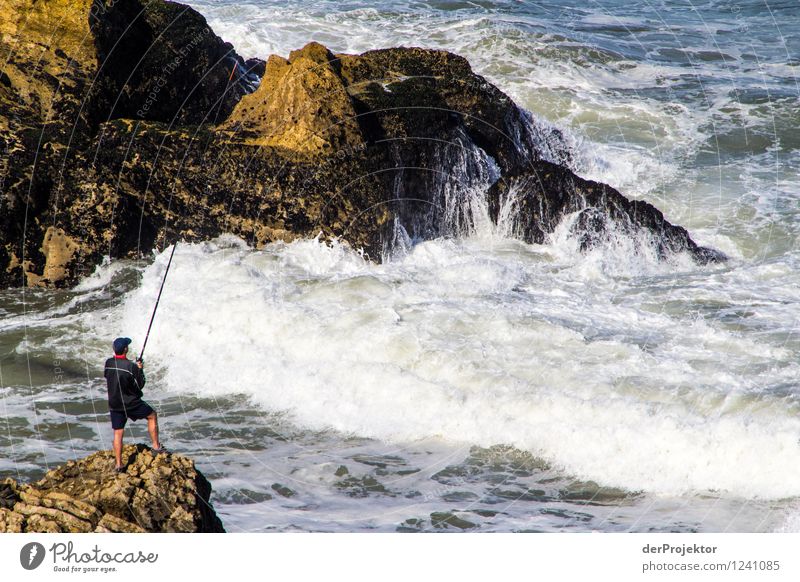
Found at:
[125, 381]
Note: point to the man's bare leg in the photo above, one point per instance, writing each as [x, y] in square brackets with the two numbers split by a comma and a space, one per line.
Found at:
[118, 433]
[152, 428]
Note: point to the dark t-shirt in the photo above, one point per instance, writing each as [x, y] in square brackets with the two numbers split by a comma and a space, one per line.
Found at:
[125, 382]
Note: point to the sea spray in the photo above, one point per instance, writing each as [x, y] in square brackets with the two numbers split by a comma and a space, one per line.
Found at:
[473, 341]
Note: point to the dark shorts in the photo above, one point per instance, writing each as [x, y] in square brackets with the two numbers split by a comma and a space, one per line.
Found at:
[138, 412]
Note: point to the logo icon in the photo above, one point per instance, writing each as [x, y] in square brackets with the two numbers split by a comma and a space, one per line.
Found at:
[31, 555]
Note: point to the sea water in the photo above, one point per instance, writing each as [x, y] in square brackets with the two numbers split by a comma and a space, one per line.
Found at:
[478, 382]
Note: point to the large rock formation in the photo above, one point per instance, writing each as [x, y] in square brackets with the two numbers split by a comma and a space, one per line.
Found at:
[126, 124]
[163, 493]
[69, 68]
[535, 201]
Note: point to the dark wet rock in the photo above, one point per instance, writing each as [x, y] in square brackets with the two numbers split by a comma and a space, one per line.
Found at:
[243, 497]
[163, 493]
[341, 471]
[380, 461]
[411, 525]
[504, 495]
[537, 200]
[160, 61]
[505, 458]
[454, 475]
[361, 486]
[443, 521]
[497, 464]
[136, 125]
[570, 516]
[255, 66]
[459, 496]
[590, 493]
[282, 490]
[487, 512]
[446, 520]
[8, 494]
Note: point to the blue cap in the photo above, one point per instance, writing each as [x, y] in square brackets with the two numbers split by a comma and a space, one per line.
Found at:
[120, 344]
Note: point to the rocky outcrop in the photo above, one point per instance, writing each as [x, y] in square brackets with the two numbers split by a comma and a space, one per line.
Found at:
[302, 105]
[160, 61]
[127, 124]
[163, 493]
[69, 68]
[534, 202]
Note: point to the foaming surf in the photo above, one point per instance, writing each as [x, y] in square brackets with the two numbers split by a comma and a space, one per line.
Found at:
[484, 342]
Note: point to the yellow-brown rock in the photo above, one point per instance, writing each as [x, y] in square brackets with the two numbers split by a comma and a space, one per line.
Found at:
[302, 105]
[165, 493]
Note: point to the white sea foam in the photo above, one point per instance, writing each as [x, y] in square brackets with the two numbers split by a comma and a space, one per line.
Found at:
[479, 341]
[791, 523]
[100, 277]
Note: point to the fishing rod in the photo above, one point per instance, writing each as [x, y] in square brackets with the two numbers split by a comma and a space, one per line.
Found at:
[152, 317]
